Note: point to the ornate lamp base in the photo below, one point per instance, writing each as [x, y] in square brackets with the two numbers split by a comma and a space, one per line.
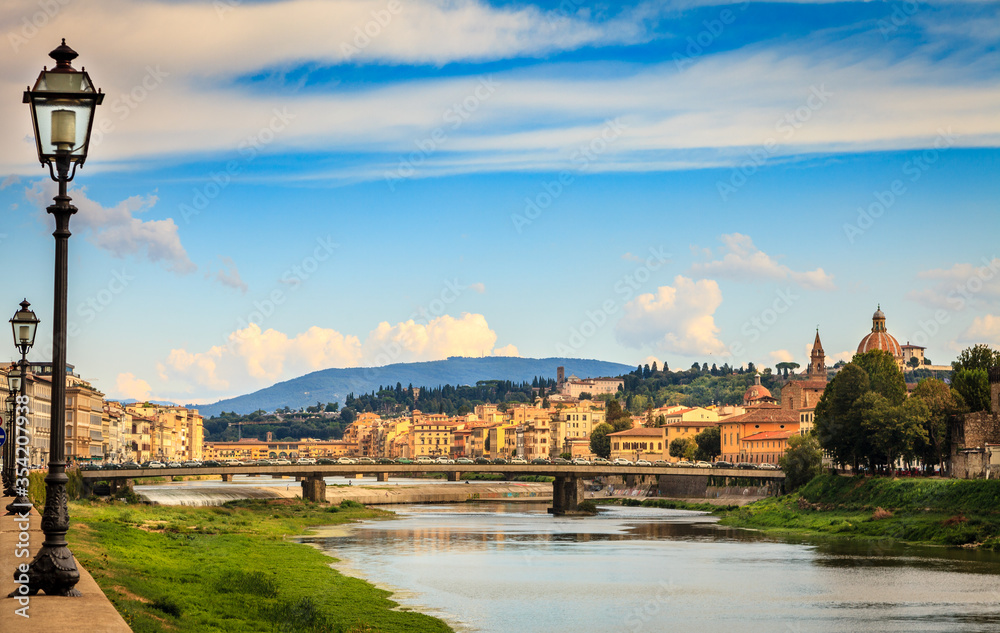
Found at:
[18, 505]
[54, 572]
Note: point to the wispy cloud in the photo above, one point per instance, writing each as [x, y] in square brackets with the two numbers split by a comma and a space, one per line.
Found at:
[742, 261]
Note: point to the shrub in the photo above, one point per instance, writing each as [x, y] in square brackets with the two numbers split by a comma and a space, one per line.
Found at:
[587, 506]
[880, 514]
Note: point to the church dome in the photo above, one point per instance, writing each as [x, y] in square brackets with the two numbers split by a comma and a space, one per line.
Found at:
[757, 393]
[879, 337]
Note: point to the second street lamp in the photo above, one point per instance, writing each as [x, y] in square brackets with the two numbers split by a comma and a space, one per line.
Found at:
[13, 387]
[63, 101]
[24, 324]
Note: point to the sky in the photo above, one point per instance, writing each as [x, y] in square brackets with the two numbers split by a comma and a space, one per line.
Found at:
[276, 187]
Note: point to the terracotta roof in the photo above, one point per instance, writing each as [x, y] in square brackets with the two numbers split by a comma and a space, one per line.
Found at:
[880, 340]
[764, 413]
[657, 432]
[769, 435]
[693, 423]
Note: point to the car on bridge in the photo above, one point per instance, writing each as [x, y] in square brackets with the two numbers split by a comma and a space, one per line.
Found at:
[500, 461]
[282, 462]
[346, 461]
[621, 461]
[663, 462]
[211, 463]
[561, 461]
[519, 461]
[482, 460]
[746, 466]
[368, 461]
[385, 460]
[129, 465]
[767, 467]
[444, 460]
[643, 462]
[307, 460]
[155, 464]
[404, 460]
[702, 465]
[600, 461]
[541, 461]
[722, 464]
[174, 465]
[192, 463]
[580, 461]
[464, 460]
[326, 461]
[233, 462]
[684, 464]
[424, 459]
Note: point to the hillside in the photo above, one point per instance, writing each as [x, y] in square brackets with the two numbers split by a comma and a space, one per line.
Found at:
[333, 385]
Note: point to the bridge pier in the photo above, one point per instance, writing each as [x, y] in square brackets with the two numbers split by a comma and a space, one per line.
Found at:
[381, 476]
[454, 475]
[314, 489]
[567, 493]
[227, 477]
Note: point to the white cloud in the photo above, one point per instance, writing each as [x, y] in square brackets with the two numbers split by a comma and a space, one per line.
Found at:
[253, 358]
[117, 230]
[781, 356]
[479, 287]
[743, 261]
[676, 318]
[128, 387]
[984, 329]
[963, 283]
[845, 356]
[507, 350]
[228, 275]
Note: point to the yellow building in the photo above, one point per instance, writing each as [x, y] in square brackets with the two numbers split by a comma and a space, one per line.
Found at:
[639, 443]
[249, 449]
[503, 440]
[176, 433]
[432, 436]
[573, 423]
[684, 430]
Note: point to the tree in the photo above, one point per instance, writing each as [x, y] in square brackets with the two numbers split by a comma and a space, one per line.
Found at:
[837, 423]
[884, 375]
[600, 443]
[619, 419]
[653, 370]
[585, 395]
[945, 405]
[678, 448]
[802, 461]
[331, 407]
[974, 386]
[785, 367]
[348, 415]
[976, 357]
[894, 431]
[709, 443]
[914, 362]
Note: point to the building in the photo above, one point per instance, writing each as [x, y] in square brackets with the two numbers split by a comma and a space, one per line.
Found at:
[639, 443]
[817, 362]
[252, 448]
[684, 430]
[176, 433]
[432, 435]
[879, 338]
[975, 439]
[766, 447]
[759, 419]
[572, 424]
[757, 393]
[574, 387]
[913, 351]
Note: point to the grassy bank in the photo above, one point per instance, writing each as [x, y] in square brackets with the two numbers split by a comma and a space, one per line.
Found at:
[230, 568]
[930, 511]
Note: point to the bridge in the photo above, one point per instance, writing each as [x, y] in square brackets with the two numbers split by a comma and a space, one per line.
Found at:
[567, 489]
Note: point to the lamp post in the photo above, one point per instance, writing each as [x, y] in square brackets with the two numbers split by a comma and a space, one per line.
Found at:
[62, 101]
[24, 324]
[8, 481]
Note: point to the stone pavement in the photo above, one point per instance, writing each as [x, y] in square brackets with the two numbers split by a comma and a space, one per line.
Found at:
[92, 612]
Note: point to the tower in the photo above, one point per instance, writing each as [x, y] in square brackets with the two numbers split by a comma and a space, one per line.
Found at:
[817, 361]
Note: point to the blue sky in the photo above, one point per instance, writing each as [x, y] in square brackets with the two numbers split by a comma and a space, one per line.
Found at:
[277, 187]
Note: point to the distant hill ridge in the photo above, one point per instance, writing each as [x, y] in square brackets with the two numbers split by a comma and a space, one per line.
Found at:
[333, 385]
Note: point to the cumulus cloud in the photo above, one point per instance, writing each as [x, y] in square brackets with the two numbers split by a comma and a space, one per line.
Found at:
[128, 387]
[742, 261]
[8, 181]
[781, 356]
[984, 329]
[507, 350]
[676, 318]
[479, 287]
[228, 275]
[117, 230]
[252, 357]
[960, 285]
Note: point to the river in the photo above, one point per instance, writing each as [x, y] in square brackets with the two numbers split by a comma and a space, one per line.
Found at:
[513, 568]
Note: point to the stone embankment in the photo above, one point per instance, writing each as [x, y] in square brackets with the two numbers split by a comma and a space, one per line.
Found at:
[427, 493]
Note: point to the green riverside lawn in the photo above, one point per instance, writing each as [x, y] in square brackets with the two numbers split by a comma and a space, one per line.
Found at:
[951, 512]
[230, 568]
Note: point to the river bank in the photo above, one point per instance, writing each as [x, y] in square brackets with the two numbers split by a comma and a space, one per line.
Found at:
[231, 568]
[950, 512]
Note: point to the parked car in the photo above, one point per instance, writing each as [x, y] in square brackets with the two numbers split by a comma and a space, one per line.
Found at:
[643, 462]
[767, 467]
[282, 462]
[482, 460]
[444, 460]
[500, 460]
[561, 461]
[363, 460]
[306, 460]
[746, 466]
[326, 461]
[541, 461]
[685, 464]
[580, 461]
[662, 462]
[519, 461]
[192, 463]
[174, 465]
[722, 464]
[155, 464]
[346, 461]
[600, 461]
[423, 459]
[235, 462]
[464, 460]
[404, 460]
[211, 463]
[130, 466]
[264, 462]
[621, 461]
[385, 460]
[702, 465]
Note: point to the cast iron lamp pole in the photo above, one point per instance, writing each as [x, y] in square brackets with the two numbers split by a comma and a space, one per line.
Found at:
[62, 103]
[8, 483]
[24, 324]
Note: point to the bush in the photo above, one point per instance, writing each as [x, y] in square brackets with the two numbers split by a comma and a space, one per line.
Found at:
[347, 504]
[587, 506]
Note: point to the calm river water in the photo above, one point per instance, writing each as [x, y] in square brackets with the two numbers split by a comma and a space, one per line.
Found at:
[513, 568]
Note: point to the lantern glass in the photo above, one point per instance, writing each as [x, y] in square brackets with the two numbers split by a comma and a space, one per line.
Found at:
[14, 381]
[24, 324]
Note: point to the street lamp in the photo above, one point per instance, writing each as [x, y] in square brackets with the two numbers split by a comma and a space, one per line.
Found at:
[62, 102]
[8, 481]
[23, 324]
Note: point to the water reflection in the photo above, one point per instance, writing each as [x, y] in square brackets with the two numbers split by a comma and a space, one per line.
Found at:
[511, 567]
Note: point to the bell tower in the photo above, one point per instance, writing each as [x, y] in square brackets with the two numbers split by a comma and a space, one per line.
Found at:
[817, 361]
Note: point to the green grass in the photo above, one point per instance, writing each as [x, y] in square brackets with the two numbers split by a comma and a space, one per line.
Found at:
[927, 511]
[230, 568]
